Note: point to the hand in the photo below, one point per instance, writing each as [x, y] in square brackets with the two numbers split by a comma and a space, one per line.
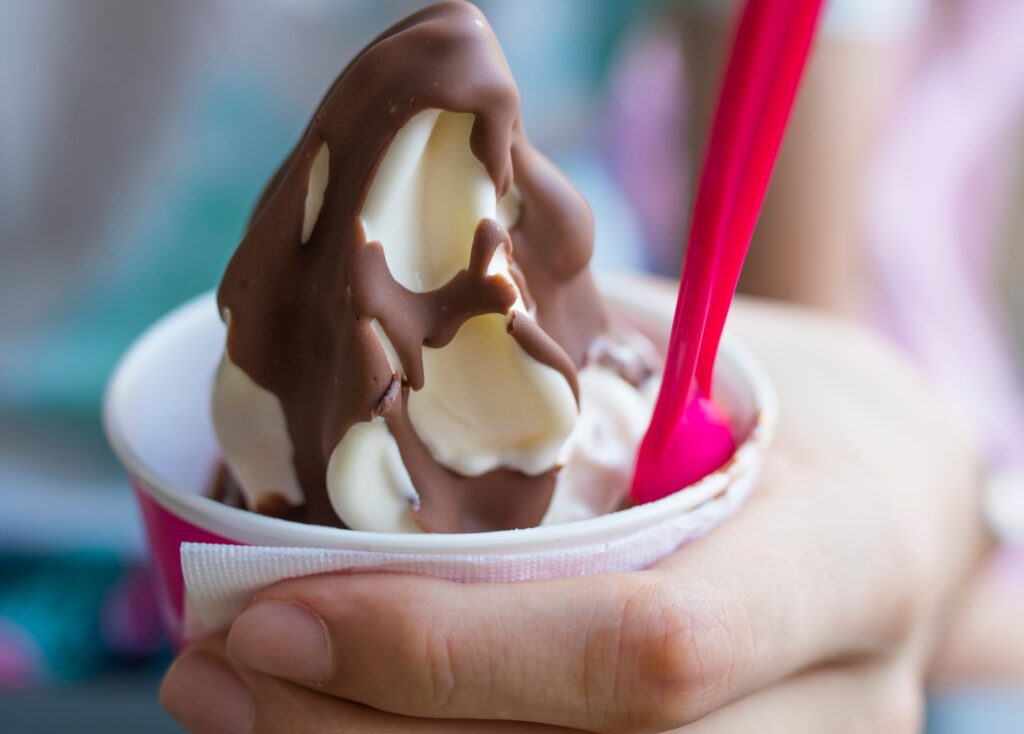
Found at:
[828, 589]
[210, 694]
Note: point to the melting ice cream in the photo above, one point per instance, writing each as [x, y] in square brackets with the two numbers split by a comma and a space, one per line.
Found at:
[415, 341]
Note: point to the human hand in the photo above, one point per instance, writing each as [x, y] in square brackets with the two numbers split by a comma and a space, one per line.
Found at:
[211, 694]
[823, 596]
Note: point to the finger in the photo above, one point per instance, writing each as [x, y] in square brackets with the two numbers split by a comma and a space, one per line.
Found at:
[209, 696]
[868, 697]
[550, 652]
[205, 694]
[871, 696]
[631, 652]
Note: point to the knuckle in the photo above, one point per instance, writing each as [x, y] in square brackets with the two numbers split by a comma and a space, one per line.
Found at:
[672, 655]
[439, 681]
[426, 659]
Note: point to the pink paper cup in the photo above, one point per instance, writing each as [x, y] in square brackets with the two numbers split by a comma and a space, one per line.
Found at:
[156, 414]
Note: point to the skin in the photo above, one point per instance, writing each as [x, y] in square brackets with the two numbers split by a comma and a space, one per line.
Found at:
[819, 607]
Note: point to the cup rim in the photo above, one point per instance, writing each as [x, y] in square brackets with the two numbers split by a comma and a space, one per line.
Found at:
[626, 292]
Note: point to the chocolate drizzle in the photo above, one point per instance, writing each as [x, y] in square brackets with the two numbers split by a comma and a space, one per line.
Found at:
[553, 241]
[301, 314]
[501, 499]
[416, 320]
[538, 345]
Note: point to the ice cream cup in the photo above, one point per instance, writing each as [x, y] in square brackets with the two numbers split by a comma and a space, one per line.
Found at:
[211, 557]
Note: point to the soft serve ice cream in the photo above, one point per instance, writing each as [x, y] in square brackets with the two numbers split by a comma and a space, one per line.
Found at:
[415, 341]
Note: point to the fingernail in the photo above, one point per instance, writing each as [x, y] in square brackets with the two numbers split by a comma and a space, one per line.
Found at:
[282, 639]
[206, 696]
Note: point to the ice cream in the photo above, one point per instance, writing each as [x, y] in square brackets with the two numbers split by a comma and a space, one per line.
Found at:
[415, 341]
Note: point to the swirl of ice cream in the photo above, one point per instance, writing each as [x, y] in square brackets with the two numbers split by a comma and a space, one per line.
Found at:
[415, 341]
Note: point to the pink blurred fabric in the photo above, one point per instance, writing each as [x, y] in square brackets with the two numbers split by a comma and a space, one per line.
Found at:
[940, 184]
[938, 187]
[643, 146]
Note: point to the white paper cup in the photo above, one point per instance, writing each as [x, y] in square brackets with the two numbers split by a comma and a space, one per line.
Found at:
[211, 557]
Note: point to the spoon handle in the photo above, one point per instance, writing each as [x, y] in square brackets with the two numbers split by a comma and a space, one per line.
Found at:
[689, 436]
[773, 66]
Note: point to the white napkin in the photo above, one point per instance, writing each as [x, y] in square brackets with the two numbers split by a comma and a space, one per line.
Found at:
[220, 579]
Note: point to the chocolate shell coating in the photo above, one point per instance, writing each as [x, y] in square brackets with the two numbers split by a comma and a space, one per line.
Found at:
[301, 313]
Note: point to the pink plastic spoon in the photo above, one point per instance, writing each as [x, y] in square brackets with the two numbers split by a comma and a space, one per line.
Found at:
[689, 436]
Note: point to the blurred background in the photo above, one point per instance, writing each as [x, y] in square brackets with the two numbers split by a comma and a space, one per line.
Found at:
[135, 136]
